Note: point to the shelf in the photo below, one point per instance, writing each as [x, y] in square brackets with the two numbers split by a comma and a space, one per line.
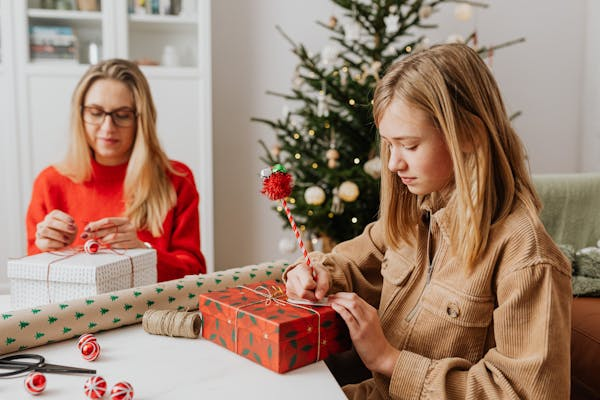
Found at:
[55, 68]
[162, 23]
[162, 19]
[64, 15]
[157, 71]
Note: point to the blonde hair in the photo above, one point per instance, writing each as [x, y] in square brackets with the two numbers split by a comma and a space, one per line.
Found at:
[148, 191]
[452, 85]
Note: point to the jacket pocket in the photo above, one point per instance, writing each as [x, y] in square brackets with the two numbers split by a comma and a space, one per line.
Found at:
[396, 270]
[463, 319]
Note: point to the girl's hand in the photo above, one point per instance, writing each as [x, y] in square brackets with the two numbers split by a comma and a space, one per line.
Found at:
[366, 333]
[301, 284]
[117, 232]
[57, 230]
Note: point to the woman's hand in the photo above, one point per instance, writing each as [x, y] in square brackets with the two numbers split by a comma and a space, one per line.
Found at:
[57, 230]
[117, 232]
[366, 333]
[303, 283]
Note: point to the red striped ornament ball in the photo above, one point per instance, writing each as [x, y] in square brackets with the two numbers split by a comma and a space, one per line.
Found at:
[85, 338]
[35, 383]
[121, 391]
[90, 351]
[94, 387]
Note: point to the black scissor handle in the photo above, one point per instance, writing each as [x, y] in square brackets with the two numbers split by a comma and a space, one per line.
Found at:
[19, 367]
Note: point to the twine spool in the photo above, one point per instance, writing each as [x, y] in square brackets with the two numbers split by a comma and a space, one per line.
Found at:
[172, 323]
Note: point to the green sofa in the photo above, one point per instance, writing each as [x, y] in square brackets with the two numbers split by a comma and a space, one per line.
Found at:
[571, 216]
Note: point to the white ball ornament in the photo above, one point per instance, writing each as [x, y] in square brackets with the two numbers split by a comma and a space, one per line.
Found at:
[348, 191]
[314, 195]
[425, 11]
[373, 167]
[286, 246]
[455, 38]
[463, 12]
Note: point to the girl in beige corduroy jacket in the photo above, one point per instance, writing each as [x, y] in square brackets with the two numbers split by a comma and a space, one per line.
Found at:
[456, 291]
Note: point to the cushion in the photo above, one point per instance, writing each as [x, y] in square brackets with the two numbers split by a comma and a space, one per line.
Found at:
[585, 348]
[571, 204]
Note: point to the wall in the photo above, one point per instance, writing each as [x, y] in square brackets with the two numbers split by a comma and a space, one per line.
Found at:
[541, 77]
[590, 140]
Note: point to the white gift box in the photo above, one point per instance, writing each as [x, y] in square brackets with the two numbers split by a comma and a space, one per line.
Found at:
[57, 276]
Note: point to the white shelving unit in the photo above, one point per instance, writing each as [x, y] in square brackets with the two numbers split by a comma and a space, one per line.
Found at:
[41, 90]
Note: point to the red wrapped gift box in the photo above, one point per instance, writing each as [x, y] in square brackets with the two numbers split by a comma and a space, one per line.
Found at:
[257, 322]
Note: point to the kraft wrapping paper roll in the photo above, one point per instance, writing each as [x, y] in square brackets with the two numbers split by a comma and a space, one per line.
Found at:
[32, 327]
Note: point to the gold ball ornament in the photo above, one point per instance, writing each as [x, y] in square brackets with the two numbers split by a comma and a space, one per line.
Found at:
[332, 156]
[332, 22]
[348, 191]
[275, 150]
[314, 195]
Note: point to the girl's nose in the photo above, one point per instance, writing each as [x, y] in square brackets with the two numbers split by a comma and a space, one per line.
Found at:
[396, 163]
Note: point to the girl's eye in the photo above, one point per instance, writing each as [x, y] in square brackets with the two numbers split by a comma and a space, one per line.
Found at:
[411, 147]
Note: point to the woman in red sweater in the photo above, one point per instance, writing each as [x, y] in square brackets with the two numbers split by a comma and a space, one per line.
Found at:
[116, 184]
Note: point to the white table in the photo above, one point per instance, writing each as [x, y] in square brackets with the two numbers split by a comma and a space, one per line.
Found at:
[160, 367]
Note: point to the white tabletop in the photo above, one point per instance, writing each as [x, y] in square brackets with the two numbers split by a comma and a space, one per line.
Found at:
[160, 367]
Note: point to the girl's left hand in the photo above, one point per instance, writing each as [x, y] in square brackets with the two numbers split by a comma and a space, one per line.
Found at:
[366, 333]
[117, 232]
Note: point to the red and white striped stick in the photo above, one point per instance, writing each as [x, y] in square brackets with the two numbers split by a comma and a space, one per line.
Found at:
[297, 233]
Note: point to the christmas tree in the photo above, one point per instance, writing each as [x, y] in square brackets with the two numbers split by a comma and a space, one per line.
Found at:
[328, 141]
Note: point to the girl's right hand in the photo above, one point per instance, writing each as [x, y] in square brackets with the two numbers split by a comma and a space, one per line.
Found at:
[57, 230]
[303, 283]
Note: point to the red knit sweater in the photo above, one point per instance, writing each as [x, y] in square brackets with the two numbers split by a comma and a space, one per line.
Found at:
[178, 249]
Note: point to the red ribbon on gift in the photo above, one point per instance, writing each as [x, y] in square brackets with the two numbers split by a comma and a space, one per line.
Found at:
[275, 298]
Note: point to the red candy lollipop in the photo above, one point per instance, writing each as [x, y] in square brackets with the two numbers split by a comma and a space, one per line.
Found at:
[95, 387]
[35, 383]
[90, 351]
[121, 391]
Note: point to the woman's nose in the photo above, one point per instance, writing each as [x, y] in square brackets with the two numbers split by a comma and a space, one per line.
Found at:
[108, 123]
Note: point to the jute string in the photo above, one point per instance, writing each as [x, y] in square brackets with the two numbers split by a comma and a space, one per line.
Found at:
[172, 323]
[277, 297]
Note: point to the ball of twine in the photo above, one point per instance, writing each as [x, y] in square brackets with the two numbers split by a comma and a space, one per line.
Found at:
[172, 323]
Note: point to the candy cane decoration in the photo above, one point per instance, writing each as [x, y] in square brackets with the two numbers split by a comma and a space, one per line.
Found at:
[277, 185]
[296, 232]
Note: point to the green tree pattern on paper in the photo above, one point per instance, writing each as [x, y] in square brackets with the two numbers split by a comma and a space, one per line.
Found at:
[105, 311]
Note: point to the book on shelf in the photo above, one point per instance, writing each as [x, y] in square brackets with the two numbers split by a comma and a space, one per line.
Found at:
[52, 43]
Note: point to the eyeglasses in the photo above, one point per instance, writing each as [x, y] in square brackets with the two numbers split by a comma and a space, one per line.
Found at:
[121, 117]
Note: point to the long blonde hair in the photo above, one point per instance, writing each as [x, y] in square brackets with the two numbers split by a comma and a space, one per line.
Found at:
[452, 85]
[148, 192]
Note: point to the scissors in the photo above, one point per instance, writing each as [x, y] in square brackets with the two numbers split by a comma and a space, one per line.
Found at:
[21, 363]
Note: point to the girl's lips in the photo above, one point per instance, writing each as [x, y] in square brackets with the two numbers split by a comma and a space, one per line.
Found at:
[407, 180]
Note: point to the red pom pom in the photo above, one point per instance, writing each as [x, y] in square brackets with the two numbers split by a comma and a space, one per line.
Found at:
[277, 186]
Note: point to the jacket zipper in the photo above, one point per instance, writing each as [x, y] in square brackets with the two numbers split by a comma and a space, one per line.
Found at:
[414, 310]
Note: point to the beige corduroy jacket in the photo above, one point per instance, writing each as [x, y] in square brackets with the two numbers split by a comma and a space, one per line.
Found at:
[501, 332]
